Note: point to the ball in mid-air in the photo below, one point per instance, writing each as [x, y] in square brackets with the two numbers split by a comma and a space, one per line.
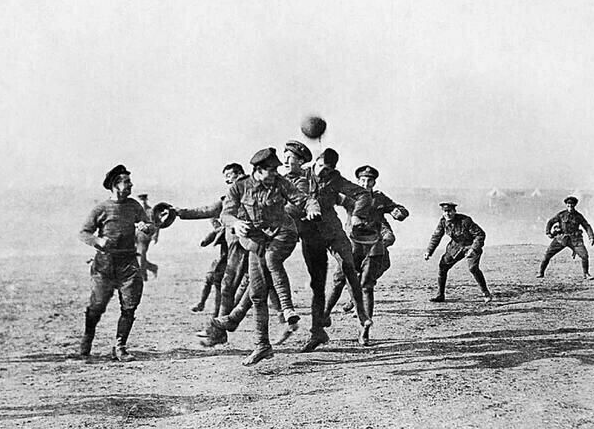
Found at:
[313, 127]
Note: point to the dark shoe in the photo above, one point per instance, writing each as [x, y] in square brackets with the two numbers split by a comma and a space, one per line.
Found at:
[587, 276]
[540, 276]
[438, 298]
[288, 332]
[85, 345]
[224, 323]
[120, 353]
[291, 317]
[327, 322]
[198, 307]
[218, 337]
[348, 307]
[260, 353]
[314, 341]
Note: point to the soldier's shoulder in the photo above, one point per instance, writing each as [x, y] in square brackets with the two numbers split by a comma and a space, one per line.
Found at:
[464, 218]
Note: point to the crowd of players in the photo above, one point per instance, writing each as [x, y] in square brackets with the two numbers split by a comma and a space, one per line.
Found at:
[257, 225]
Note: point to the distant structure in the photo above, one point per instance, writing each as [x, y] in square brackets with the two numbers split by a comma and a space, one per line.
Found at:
[496, 196]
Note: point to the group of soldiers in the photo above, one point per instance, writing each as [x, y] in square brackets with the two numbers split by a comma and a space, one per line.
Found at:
[257, 225]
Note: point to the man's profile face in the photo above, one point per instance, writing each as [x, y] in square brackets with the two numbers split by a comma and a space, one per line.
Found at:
[570, 206]
[292, 162]
[366, 182]
[123, 186]
[448, 213]
[230, 176]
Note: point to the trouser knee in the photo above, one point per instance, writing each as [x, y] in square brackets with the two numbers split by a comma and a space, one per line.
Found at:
[128, 313]
[95, 310]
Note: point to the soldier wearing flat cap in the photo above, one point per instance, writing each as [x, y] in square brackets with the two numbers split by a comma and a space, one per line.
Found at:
[369, 258]
[110, 229]
[325, 184]
[569, 234]
[143, 241]
[296, 154]
[467, 241]
[269, 234]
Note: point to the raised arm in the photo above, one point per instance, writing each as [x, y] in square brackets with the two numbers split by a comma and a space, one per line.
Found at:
[203, 212]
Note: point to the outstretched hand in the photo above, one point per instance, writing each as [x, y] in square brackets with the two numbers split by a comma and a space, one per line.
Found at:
[426, 256]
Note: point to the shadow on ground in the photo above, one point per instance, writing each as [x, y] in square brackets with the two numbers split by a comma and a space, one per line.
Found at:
[474, 350]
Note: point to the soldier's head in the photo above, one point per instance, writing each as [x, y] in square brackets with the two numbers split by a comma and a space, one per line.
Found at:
[143, 199]
[265, 164]
[117, 180]
[326, 162]
[296, 154]
[570, 203]
[448, 210]
[232, 172]
[366, 176]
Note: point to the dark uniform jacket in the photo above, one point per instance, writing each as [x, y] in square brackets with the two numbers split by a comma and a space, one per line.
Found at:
[380, 205]
[264, 206]
[327, 192]
[569, 223]
[463, 232]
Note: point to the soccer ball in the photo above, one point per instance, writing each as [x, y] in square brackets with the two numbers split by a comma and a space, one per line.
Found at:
[313, 127]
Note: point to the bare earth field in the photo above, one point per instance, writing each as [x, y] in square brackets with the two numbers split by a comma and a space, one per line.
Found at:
[524, 361]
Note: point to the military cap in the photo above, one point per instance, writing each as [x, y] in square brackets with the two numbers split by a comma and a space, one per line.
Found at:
[330, 157]
[571, 199]
[112, 175]
[367, 171]
[299, 149]
[143, 196]
[447, 204]
[164, 215]
[266, 158]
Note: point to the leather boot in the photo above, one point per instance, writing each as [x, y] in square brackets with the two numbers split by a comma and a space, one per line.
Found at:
[91, 320]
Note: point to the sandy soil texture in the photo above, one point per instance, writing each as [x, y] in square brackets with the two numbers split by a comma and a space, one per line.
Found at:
[524, 361]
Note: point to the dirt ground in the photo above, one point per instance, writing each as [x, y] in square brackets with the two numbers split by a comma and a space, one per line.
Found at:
[524, 361]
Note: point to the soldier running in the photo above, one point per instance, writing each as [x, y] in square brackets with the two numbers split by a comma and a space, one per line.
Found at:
[111, 229]
[270, 235]
[231, 173]
[326, 184]
[368, 257]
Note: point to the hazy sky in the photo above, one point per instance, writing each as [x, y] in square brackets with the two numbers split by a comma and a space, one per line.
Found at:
[433, 93]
